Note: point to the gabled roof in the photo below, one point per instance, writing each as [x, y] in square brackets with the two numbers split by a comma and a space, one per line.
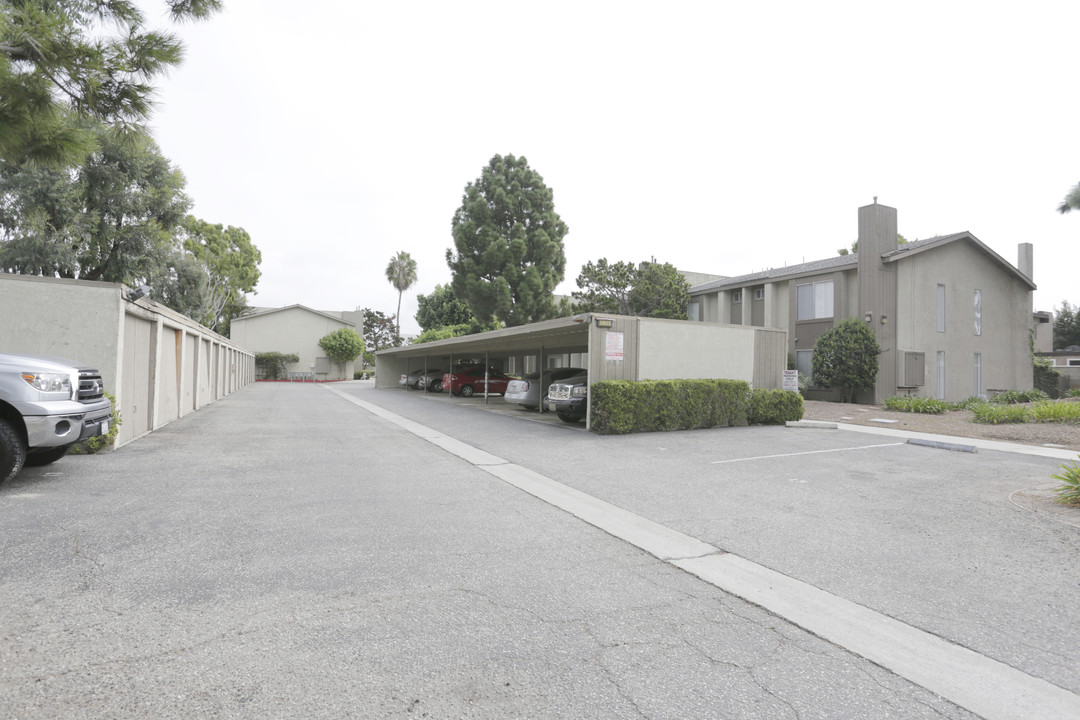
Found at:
[815, 266]
[852, 260]
[271, 311]
[914, 248]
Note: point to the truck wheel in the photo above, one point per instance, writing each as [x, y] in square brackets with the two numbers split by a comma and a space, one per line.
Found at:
[12, 452]
[566, 418]
[45, 457]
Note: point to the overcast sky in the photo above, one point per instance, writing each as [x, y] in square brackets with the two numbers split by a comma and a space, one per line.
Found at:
[721, 137]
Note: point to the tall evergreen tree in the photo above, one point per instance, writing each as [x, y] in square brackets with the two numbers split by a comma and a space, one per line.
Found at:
[508, 252]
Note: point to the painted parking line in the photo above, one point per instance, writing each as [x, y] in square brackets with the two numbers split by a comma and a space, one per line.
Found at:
[982, 685]
[808, 452]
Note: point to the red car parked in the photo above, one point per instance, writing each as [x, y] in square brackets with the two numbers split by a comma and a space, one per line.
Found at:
[470, 380]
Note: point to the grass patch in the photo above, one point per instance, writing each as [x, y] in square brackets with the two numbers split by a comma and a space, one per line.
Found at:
[991, 414]
[1069, 491]
[1053, 411]
[1016, 397]
[916, 404]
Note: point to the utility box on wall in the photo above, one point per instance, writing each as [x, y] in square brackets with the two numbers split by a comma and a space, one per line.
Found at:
[911, 370]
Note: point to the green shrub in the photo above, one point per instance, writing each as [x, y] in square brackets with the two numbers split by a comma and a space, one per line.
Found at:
[622, 406]
[1069, 490]
[1014, 397]
[273, 364]
[968, 403]
[999, 414]
[1075, 392]
[1048, 380]
[916, 404]
[774, 407]
[846, 357]
[1055, 411]
[96, 444]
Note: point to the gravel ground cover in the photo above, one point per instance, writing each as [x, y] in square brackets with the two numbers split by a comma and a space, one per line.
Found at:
[954, 422]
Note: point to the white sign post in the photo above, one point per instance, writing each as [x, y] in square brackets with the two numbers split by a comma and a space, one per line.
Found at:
[791, 380]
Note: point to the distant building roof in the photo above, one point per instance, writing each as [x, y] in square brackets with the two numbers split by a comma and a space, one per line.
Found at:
[852, 259]
[259, 312]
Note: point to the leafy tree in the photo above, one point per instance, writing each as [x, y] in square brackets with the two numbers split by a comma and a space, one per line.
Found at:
[230, 268]
[379, 330]
[342, 346]
[604, 287]
[401, 272]
[443, 332]
[508, 241]
[649, 289]
[58, 69]
[1071, 201]
[441, 308]
[846, 357]
[110, 218]
[1066, 326]
[659, 291]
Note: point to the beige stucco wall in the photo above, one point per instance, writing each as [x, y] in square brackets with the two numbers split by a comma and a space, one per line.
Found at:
[672, 349]
[76, 319]
[143, 350]
[1006, 317]
[292, 330]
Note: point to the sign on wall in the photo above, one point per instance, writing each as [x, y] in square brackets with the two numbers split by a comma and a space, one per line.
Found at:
[791, 380]
[613, 346]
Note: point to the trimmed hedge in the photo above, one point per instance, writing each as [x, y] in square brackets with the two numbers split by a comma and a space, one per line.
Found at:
[775, 407]
[622, 406]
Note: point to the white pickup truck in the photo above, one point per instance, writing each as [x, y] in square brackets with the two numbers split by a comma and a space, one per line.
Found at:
[47, 404]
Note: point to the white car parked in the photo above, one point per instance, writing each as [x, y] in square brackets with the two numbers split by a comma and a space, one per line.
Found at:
[528, 391]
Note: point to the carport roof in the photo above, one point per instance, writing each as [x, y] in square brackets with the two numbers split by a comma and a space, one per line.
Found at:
[560, 332]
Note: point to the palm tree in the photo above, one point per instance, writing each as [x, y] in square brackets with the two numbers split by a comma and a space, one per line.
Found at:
[1071, 202]
[401, 272]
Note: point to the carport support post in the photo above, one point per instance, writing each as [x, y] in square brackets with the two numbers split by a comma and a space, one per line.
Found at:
[487, 361]
[447, 390]
[541, 363]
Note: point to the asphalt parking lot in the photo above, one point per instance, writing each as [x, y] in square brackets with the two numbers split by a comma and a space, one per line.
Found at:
[286, 552]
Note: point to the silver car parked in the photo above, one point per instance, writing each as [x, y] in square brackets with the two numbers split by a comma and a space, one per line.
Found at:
[528, 391]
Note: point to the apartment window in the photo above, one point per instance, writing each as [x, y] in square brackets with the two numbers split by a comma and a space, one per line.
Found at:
[978, 313]
[814, 300]
[978, 374]
[941, 374]
[693, 311]
[1073, 362]
[736, 297]
[759, 294]
[941, 308]
[804, 363]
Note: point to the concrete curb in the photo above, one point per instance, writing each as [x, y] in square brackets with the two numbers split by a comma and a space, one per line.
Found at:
[819, 424]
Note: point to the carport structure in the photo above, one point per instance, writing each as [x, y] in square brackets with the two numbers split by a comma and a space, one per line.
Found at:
[613, 347]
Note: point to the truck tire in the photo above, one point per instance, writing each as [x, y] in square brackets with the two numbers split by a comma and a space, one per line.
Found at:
[46, 457]
[12, 451]
[568, 418]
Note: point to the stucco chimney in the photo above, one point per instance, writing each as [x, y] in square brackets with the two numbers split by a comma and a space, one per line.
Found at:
[877, 231]
[1026, 262]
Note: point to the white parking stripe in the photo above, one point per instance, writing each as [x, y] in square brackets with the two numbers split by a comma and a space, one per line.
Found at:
[808, 452]
[980, 684]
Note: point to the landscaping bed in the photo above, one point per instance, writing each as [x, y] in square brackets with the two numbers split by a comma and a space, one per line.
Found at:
[954, 422]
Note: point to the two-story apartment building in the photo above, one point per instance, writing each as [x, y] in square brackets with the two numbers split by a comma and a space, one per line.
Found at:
[952, 317]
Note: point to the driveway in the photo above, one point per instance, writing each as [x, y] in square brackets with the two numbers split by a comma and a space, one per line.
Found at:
[289, 552]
